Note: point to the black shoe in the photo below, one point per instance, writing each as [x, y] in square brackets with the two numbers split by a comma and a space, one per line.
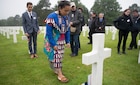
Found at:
[89, 43]
[86, 83]
[119, 53]
[129, 48]
[73, 55]
[88, 37]
[135, 47]
[124, 52]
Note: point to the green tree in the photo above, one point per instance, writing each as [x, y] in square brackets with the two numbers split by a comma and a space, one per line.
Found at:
[77, 2]
[3, 22]
[42, 9]
[110, 8]
[17, 20]
[10, 21]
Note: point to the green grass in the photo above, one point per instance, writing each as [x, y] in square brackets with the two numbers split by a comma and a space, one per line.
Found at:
[16, 67]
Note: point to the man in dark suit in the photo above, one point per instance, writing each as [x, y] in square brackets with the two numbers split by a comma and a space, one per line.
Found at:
[31, 28]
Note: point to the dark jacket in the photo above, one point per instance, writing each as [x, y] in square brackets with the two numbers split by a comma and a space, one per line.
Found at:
[100, 24]
[136, 24]
[28, 24]
[92, 25]
[123, 23]
[83, 20]
[76, 18]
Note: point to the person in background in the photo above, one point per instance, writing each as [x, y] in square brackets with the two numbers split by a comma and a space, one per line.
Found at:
[134, 30]
[92, 26]
[123, 24]
[75, 23]
[31, 29]
[57, 34]
[100, 24]
[82, 24]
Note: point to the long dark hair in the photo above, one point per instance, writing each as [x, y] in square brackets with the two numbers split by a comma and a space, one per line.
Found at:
[125, 11]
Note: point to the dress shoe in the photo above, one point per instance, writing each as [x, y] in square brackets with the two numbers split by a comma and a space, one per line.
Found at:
[32, 56]
[136, 47]
[88, 37]
[36, 55]
[119, 53]
[124, 52]
[73, 55]
[129, 48]
[89, 43]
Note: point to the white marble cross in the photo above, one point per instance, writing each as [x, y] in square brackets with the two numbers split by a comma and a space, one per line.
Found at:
[106, 30]
[0, 30]
[4, 32]
[8, 33]
[22, 30]
[113, 31]
[14, 32]
[24, 37]
[85, 29]
[96, 58]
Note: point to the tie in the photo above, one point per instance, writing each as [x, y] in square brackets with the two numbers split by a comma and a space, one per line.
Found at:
[31, 16]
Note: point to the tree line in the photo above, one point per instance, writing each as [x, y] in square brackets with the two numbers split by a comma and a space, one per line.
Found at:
[110, 8]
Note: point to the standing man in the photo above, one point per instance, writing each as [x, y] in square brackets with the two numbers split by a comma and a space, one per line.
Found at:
[92, 26]
[82, 24]
[31, 29]
[100, 23]
[134, 30]
[75, 27]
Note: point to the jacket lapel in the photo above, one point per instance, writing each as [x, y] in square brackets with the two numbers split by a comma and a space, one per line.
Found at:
[27, 15]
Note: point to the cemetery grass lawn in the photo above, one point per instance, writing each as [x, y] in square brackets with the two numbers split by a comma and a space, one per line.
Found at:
[16, 67]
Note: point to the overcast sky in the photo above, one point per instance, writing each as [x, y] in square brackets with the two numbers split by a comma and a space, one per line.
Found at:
[13, 7]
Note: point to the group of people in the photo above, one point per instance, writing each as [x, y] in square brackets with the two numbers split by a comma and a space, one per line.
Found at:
[64, 27]
[127, 23]
[96, 25]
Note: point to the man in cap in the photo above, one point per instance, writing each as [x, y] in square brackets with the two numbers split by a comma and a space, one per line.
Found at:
[75, 23]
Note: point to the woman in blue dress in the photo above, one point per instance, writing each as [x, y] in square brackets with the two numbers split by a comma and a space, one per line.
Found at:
[57, 35]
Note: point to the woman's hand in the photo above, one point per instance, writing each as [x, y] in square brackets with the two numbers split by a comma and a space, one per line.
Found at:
[71, 23]
[100, 28]
[55, 48]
